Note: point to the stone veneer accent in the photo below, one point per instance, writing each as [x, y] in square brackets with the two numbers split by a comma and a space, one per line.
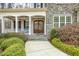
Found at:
[64, 8]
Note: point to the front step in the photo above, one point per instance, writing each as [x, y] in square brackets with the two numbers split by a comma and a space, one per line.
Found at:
[37, 37]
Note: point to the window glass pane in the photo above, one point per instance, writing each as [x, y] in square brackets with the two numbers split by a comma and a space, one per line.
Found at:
[41, 5]
[3, 5]
[40, 25]
[10, 5]
[36, 25]
[26, 26]
[38, 5]
[19, 25]
[7, 24]
[27, 5]
[56, 25]
[45, 4]
[62, 24]
[19, 5]
[56, 19]
[62, 18]
[32, 5]
[68, 18]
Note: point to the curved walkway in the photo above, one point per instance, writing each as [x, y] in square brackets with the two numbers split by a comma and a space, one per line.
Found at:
[42, 48]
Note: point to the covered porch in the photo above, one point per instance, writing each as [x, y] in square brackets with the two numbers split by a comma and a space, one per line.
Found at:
[23, 22]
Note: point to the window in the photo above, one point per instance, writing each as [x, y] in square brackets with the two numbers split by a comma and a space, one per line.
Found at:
[62, 18]
[10, 5]
[56, 21]
[7, 24]
[3, 5]
[26, 26]
[19, 5]
[19, 25]
[32, 5]
[60, 21]
[27, 5]
[68, 19]
[41, 5]
[38, 5]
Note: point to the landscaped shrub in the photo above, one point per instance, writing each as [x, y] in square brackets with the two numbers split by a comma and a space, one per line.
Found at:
[69, 49]
[69, 34]
[13, 34]
[15, 50]
[1, 40]
[10, 41]
[53, 34]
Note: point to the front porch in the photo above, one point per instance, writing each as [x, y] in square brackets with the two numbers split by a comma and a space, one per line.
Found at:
[28, 23]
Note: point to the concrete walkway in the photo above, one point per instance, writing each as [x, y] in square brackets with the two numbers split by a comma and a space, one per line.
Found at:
[42, 48]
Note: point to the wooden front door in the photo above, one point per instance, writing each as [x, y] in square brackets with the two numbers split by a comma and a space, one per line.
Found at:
[38, 26]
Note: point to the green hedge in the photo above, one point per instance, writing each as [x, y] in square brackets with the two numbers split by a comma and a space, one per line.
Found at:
[53, 34]
[13, 34]
[10, 41]
[15, 50]
[1, 40]
[69, 49]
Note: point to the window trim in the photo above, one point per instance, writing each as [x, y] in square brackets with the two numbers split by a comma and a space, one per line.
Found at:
[61, 22]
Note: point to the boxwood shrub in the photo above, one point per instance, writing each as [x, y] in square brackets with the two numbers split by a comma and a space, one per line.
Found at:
[13, 34]
[1, 40]
[69, 49]
[14, 50]
[8, 42]
[53, 34]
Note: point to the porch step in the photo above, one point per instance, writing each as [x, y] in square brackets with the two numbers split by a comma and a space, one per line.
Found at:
[37, 37]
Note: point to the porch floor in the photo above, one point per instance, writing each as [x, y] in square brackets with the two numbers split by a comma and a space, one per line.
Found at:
[42, 48]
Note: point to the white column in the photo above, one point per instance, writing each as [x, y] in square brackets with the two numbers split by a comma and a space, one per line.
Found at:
[2, 24]
[65, 20]
[22, 25]
[43, 5]
[71, 20]
[16, 21]
[23, 5]
[45, 26]
[78, 16]
[29, 25]
[59, 21]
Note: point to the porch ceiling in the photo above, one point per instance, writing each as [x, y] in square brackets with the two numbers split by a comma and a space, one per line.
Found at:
[19, 17]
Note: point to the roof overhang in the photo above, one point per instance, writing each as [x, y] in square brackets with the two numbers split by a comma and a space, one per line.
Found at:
[24, 10]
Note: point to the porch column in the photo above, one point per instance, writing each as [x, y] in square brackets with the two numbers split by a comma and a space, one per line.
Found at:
[22, 25]
[2, 24]
[45, 26]
[29, 25]
[16, 22]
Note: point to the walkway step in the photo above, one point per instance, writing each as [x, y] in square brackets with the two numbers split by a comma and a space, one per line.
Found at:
[37, 37]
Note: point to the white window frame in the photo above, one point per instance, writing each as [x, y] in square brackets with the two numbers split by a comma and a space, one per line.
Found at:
[7, 22]
[59, 20]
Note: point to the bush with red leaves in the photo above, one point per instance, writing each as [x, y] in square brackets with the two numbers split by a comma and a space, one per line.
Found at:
[69, 34]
